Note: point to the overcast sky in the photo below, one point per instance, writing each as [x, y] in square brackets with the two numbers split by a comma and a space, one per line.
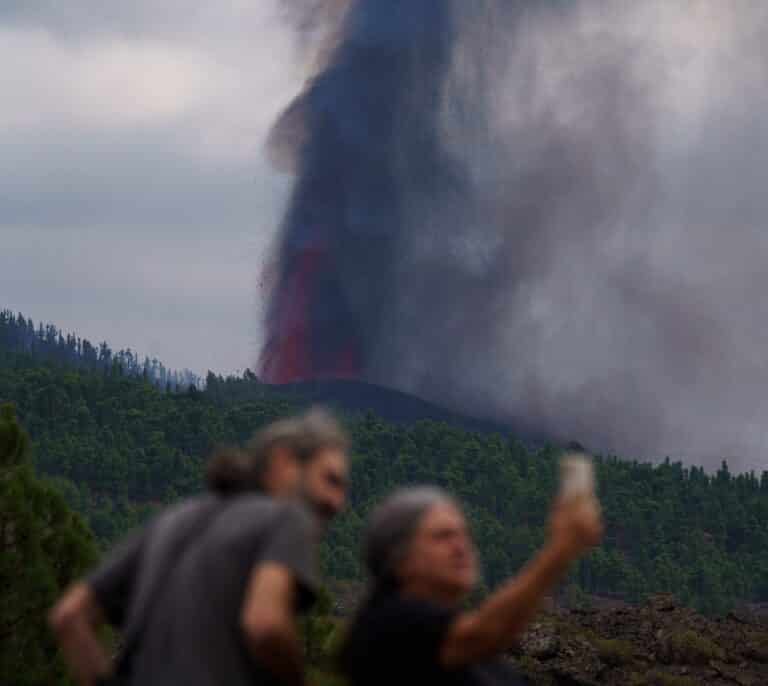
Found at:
[136, 204]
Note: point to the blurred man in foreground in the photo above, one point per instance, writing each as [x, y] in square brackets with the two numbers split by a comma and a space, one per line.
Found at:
[209, 591]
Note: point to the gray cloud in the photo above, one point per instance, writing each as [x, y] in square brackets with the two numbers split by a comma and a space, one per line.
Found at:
[118, 178]
[202, 21]
[629, 308]
[186, 299]
[135, 202]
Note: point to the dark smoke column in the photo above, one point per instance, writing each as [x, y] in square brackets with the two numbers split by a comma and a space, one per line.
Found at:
[368, 125]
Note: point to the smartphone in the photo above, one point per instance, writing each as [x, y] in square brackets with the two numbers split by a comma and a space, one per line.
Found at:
[577, 476]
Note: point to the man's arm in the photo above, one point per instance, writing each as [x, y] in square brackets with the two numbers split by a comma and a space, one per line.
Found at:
[268, 621]
[102, 597]
[74, 620]
[575, 527]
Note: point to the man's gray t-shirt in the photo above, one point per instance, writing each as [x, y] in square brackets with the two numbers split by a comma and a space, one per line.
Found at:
[189, 626]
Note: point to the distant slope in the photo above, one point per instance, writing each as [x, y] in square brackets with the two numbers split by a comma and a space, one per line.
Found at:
[19, 334]
[45, 342]
[392, 405]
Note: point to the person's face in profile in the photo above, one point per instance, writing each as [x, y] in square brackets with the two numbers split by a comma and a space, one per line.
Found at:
[325, 482]
[283, 475]
[441, 561]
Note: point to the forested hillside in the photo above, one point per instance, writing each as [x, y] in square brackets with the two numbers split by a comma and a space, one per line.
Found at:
[19, 334]
[118, 446]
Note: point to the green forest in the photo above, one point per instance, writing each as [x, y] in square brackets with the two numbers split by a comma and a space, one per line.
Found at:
[44, 546]
[115, 445]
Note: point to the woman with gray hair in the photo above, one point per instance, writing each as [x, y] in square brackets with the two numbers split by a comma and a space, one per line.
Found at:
[423, 564]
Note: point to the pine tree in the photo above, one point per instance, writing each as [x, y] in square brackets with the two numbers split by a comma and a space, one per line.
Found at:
[44, 546]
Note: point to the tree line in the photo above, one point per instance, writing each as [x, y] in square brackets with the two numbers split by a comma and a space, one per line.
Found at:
[46, 342]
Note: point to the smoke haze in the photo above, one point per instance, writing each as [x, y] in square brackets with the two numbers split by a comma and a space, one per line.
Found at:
[554, 216]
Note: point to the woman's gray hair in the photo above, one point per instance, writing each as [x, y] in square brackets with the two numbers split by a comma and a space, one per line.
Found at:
[391, 527]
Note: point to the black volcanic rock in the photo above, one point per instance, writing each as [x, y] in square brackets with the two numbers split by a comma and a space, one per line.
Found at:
[660, 643]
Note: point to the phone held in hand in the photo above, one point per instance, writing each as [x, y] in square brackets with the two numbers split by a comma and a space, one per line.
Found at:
[577, 476]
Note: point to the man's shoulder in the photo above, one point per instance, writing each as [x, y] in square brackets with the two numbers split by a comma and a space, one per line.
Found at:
[190, 504]
[252, 503]
[257, 509]
[184, 509]
[259, 502]
[297, 510]
[247, 513]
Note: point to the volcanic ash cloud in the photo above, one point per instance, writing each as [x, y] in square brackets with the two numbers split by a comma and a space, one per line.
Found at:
[552, 213]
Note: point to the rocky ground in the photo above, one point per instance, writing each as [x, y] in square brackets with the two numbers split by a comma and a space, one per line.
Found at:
[659, 643]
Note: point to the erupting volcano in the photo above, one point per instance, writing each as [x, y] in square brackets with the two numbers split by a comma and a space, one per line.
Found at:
[364, 125]
[548, 213]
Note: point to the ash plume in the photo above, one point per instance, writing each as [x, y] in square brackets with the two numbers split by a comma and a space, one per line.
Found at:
[552, 213]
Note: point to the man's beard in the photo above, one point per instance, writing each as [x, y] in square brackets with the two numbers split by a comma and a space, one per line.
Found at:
[323, 513]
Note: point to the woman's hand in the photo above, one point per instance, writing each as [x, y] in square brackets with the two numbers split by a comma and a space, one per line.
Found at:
[576, 525]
